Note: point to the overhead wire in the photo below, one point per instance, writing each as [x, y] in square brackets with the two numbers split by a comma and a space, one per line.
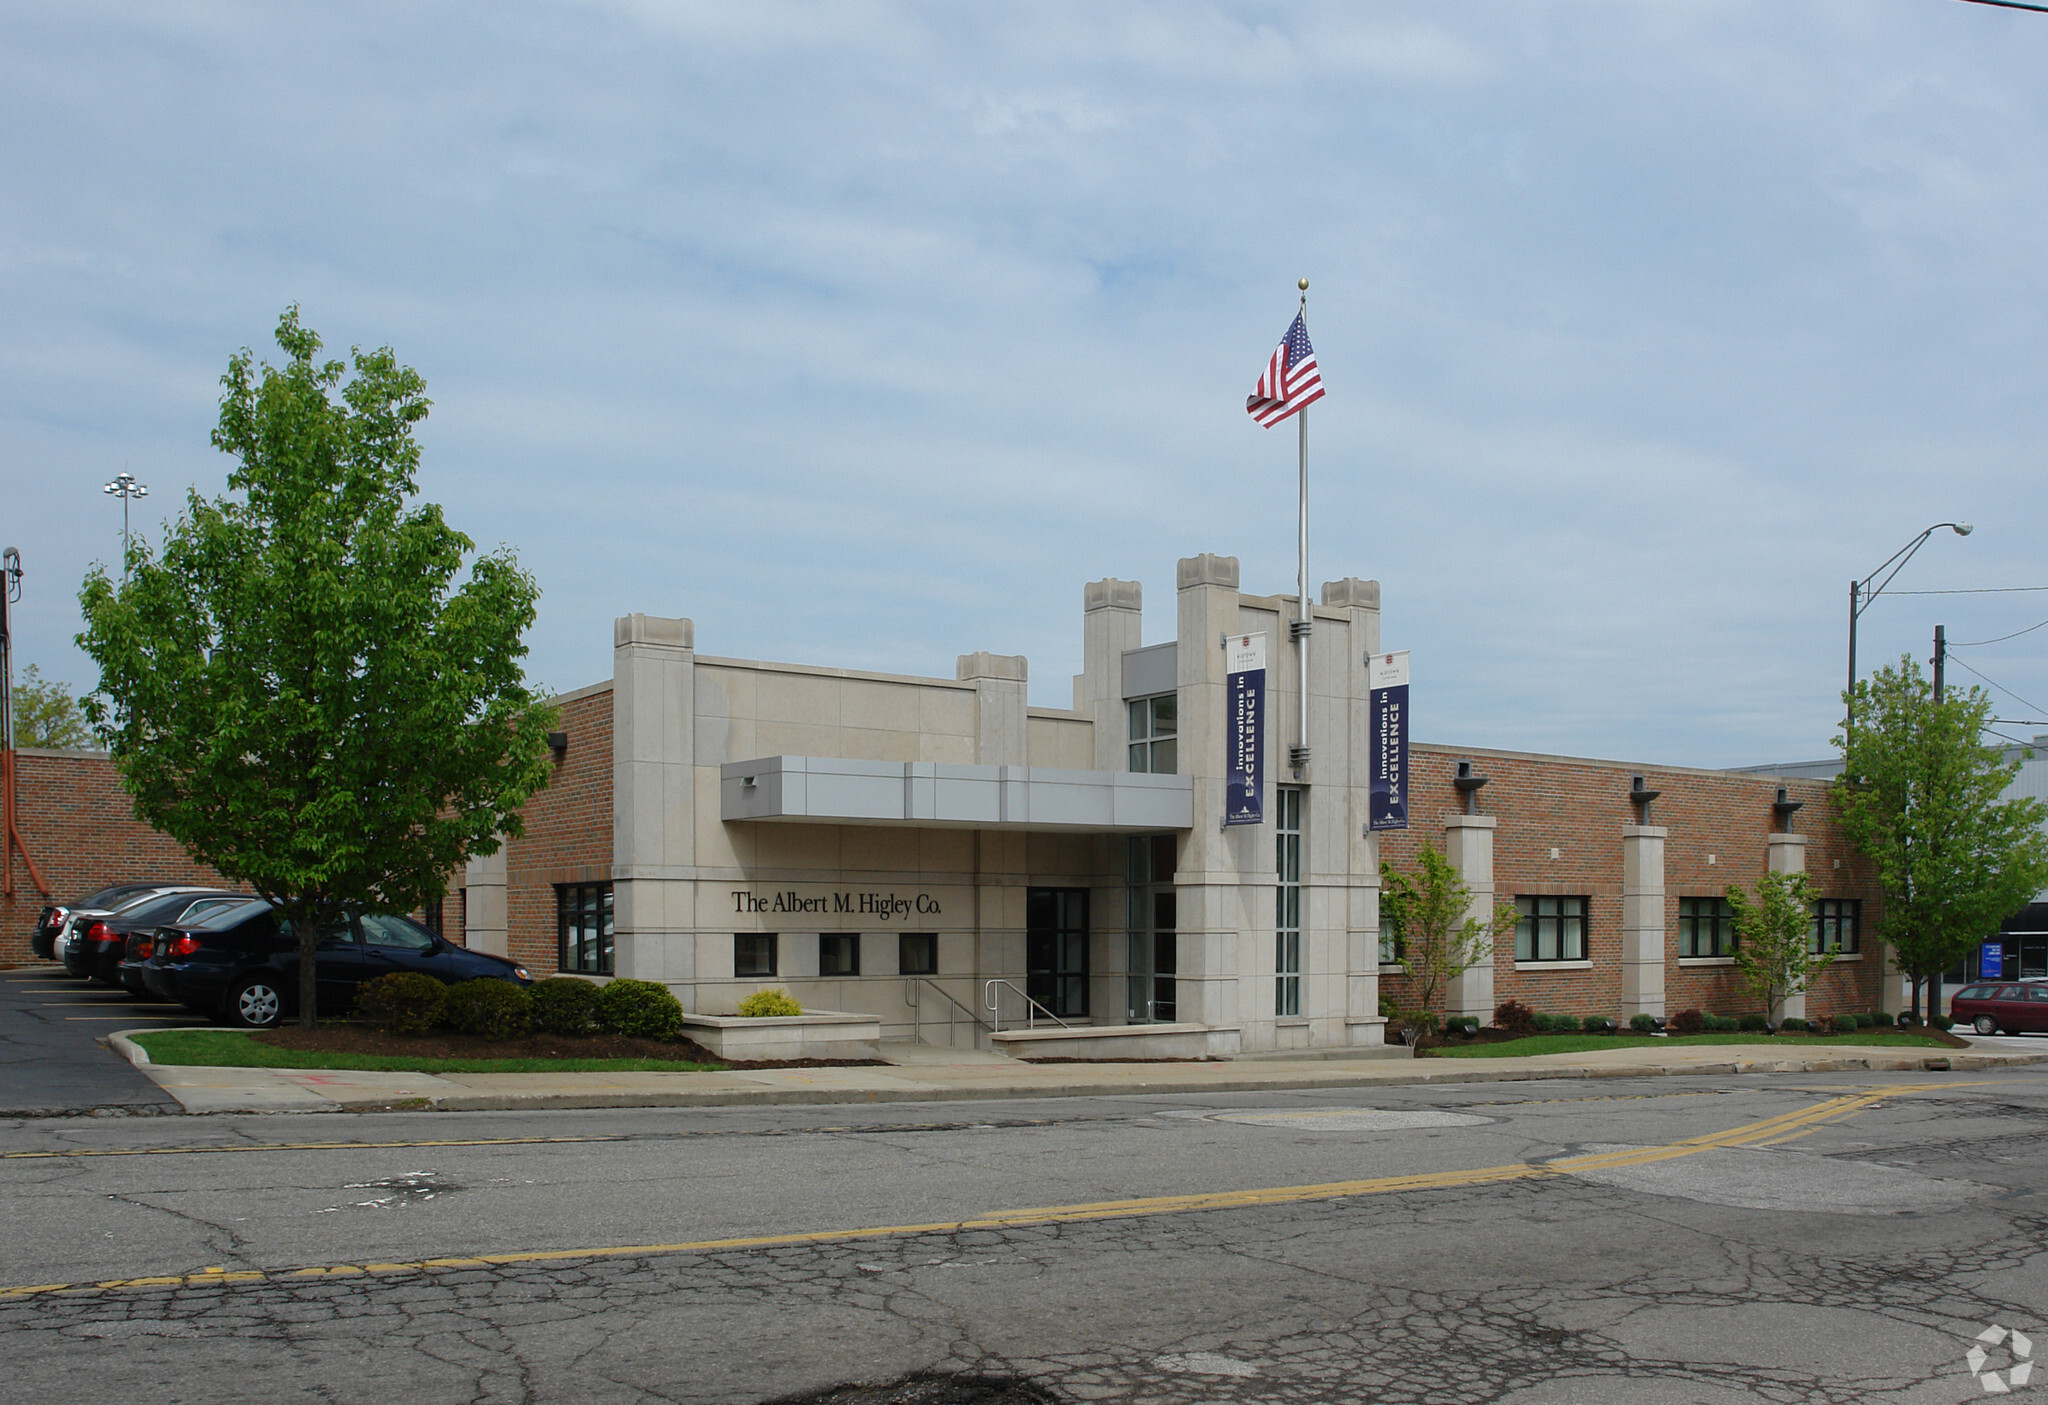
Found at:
[1978, 590]
[1953, 644]
[2002, 688]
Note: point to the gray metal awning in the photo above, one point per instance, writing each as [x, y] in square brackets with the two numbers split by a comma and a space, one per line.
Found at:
[837, 790]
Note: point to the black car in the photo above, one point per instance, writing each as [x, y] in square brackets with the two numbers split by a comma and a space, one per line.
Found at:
[98, 944]
[43, 941]
[241, 966]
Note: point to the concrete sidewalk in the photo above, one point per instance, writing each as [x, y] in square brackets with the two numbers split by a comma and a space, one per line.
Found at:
[920, 1074]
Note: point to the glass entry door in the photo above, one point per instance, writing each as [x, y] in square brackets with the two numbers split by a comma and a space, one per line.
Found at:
[1056, 949]
[1154, 920]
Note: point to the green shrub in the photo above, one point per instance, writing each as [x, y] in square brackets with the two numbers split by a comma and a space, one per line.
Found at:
[1558, 1024]
[1865, 1021]
[1753, 1023]
[404, 1002]
[1388, 1006]
[490, 1009]
[1514, 1017]
[1688, 1022]
[1844, 1024]
[640, 1010]
[1792, 1024]
[1722, 1024]
[565, 1005]
[772, 1003]
[1598, 1024]
[1466, 1025]
[1942, 1022]
[1643, 1024]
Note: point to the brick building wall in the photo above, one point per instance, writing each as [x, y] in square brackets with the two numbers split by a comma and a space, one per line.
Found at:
[80, 828]
[1559, 833]
[568, 830]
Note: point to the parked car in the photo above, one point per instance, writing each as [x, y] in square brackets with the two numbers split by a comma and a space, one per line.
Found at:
[43, 941]
[241, 965]
[99, 944]
[2016, 1007]
[77, 919]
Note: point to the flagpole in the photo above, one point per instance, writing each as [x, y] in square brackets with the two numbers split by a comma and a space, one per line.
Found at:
[1304, 622]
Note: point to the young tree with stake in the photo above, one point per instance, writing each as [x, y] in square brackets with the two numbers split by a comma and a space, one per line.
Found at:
[1774, 955]
[1435, 930]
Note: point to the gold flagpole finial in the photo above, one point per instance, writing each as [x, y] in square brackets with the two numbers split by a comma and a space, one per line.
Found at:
[1303, 285]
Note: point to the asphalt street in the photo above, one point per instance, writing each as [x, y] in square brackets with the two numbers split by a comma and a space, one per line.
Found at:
[50, 1060]
[1840, 1237]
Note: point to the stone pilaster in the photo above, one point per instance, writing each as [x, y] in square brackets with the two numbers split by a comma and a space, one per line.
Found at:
[654, 818]
[1226, 933]
[1360, 602]
[486, 921]
[1787, 854]
[1468, 844]
[1112, 624]
[999, 694]
[1642, 920]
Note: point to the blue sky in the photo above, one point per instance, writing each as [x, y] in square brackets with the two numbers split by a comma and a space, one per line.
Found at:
[865, 333]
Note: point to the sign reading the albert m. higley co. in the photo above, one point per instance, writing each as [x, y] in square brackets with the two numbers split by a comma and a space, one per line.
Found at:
[842, 903]
[1386, 680]
[1244, 730]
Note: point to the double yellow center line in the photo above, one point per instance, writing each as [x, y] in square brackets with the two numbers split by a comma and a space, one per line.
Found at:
[1770, 1130]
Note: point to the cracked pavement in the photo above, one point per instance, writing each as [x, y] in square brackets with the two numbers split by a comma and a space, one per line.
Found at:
[1850, 1250]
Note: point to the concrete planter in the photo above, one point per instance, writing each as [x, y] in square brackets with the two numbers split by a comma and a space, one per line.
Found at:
[815, 1034]
[1122, 1041]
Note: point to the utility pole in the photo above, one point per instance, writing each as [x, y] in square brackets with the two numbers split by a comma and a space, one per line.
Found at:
[1940, 659]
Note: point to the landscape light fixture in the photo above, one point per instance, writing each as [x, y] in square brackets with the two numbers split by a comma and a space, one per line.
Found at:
[1862, 592]
[126, 489]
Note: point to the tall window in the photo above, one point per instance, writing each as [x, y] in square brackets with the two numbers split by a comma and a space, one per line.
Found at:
[1056, 949]
[1154, 918]
[1287, 900]
[1391, 945]
[1706, 927]
[1837, 925]
[1550, 929]
[1155, 725]
[583, 927]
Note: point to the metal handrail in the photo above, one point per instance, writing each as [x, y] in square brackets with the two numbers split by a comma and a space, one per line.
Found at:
[992, 1001]
[913, 998]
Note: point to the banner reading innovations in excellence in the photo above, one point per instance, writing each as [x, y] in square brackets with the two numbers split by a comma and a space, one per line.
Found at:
[1244, 731]
[1386, 680]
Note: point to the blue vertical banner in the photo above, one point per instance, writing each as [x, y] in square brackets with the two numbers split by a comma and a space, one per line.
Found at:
[1386, 681]
[1244, 729]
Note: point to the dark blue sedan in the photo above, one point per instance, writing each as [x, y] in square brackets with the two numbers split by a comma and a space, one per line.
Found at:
[241, 966]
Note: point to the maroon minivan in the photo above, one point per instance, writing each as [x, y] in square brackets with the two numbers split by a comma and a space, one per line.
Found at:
[2014, 1007]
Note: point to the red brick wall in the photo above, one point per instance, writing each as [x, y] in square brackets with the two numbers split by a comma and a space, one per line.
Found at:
[80, 828]
[568, 832]
[1579, 807]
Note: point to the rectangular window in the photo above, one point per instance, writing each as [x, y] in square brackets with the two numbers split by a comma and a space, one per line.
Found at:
[431, 917]
[1287, 859]
[1391, 953]
[1706, 927]
[753, 954]
[917, 954]
[1154, 727]
[839, 954]
[1056, 949]
[1550, 929]
[1837, 925]
[583, 928]
[1153, 908]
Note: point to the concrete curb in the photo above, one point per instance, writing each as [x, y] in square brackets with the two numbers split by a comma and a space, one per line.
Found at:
[1406, 1074]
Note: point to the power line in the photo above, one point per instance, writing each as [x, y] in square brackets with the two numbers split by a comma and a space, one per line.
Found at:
[2010, 5]
[2003, 689]
[2000, 639]
[1982, 590]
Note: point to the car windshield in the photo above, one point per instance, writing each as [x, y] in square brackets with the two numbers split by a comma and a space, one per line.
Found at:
[231, 915]
[128, 903]
[154, 907]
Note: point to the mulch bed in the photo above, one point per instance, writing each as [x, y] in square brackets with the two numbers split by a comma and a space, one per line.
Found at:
[447, 1044]
[1490, 1035]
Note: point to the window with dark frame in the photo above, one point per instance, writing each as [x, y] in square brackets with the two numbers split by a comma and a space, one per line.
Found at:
[1154, 733]
[430, 916]
[583, 928]
[753, 954]
[1706, 927]
[917, 954]
[1551, 928]
[1056, 949]
[1393, 950]
[839, 953]
[1287, 833]
[1837, 925]
[1153, 910]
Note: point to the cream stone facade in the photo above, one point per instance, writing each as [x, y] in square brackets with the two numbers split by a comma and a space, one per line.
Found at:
[847, 817]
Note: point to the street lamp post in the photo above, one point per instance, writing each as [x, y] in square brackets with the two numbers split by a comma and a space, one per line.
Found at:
[126, 489]
[1862, 592]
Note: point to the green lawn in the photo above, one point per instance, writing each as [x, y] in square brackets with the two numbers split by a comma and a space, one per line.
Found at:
[1578, 1043]
[220, 1048]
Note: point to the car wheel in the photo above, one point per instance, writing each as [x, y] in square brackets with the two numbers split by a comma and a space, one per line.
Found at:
[256, 1003]
[1986, 1025]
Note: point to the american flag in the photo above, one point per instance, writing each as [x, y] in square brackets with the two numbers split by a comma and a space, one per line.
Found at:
[1291, 381]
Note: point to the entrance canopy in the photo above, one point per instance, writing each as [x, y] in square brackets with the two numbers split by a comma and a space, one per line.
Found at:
[837, 790]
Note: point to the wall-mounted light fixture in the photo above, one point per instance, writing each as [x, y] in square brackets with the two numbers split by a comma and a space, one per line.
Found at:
[558, 743]
[1784, 808]
[1468, 786]
[1640, 796]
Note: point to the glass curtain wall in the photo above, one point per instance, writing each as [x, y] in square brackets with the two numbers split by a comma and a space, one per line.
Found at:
[1153, 920]
[1287, 900]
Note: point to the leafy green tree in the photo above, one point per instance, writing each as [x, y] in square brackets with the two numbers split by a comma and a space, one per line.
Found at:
[1434, 930]
[299, 691]
[1774, 955]
[45, 713]
[1924, 797]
